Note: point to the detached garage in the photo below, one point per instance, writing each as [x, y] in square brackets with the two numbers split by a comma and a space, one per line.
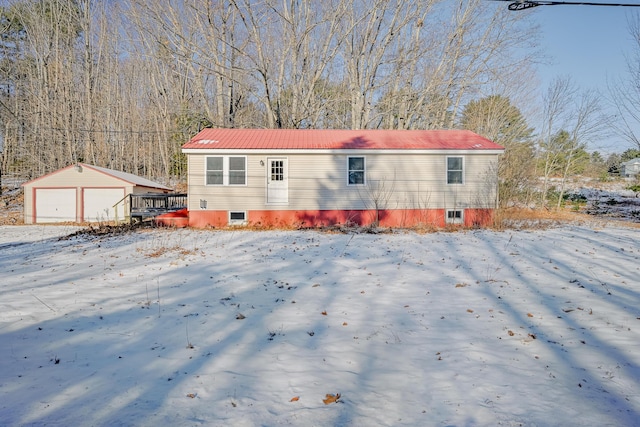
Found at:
[82, 193]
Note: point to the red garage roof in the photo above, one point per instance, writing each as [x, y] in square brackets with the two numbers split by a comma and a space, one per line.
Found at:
[317, 139]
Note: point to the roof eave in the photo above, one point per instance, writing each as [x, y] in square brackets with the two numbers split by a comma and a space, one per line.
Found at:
[283, 151]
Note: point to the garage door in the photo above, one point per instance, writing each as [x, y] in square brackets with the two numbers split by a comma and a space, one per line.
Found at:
[55, 205]
[98, 204]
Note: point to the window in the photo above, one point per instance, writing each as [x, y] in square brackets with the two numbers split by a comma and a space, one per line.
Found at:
[454, 217]
[214, 170]
[277, 170]
[237, 217]
[356, 171]
[226, 170]
[455, 172]
[237, 171]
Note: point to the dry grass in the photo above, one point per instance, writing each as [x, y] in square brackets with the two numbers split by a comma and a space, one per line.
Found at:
[525, 218]
[539, 214]
[11, 207]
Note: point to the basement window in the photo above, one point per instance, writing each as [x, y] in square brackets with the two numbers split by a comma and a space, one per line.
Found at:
[237, 217]
[454, 216]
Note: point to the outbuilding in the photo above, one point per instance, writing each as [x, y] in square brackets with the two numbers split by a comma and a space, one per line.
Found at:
[630, 168]
[307, 178]
[83, 193]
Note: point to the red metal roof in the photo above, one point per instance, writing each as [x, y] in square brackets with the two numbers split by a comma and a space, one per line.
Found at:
[318, 139]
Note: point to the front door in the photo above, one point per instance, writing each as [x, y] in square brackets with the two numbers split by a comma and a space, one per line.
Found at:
[277, 181]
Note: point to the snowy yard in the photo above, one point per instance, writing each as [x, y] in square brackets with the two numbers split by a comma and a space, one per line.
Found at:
[240, 328]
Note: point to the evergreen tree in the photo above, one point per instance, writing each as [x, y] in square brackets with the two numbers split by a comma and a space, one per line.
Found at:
[497, 119]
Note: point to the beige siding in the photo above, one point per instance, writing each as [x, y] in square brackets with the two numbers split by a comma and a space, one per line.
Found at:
[319, 181]
[72, 178]
[250, 196]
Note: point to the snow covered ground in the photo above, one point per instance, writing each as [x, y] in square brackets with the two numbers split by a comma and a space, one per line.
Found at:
[618, 204]
[612, 200]
[240, 328]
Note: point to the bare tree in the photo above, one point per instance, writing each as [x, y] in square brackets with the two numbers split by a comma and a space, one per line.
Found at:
[571, 121]
[288, 60]
[587, 123]
[374, 32]
[124, 83]
[376, 194]
[453, 52]
[625, 92]
[556, 102]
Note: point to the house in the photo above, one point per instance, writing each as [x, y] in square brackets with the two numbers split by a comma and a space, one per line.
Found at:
[398, 178]
[83, 193]
[630, 169]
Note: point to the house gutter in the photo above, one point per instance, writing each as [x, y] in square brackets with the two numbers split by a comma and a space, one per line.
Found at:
[282, 151]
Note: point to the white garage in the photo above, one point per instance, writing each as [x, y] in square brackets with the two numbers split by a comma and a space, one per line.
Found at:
[100, 204]
[83, 193]
[55, 204]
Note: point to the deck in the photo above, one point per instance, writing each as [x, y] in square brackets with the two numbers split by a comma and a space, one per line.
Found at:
[148, 206]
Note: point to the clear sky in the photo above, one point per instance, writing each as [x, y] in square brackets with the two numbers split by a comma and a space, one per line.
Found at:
[588, 43]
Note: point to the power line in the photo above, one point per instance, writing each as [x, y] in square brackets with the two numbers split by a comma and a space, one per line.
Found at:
[526, 4]
[106, 131]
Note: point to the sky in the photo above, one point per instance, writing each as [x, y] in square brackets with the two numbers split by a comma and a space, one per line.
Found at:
[588, 43]
[187, 327]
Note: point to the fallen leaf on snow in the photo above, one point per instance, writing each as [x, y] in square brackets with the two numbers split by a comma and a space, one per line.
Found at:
[510, 333]
[295, 399]
[331, 398]
[191, 395]
[324, 313]
[529, 315]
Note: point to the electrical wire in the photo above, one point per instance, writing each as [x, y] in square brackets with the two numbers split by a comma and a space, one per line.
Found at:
[526, 4]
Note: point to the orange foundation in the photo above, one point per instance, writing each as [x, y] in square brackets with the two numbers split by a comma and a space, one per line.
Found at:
[396, 218]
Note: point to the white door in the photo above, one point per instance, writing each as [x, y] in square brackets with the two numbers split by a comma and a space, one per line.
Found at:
[97, 204]
[277, 181]
[55, 205]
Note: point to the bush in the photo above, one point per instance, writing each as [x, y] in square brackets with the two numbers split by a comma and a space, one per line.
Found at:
[573, 197]
[577, 200]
